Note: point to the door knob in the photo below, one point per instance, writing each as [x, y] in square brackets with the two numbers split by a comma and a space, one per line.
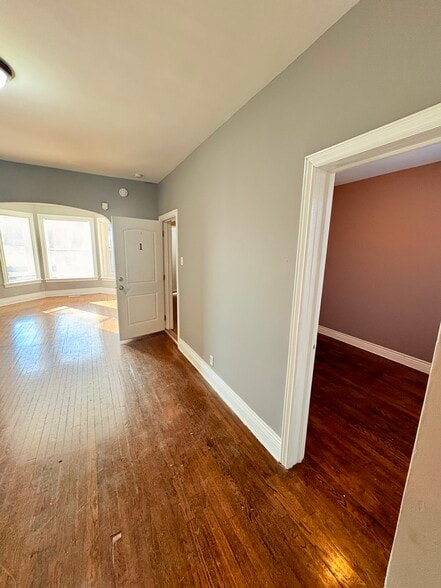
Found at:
[120, 287]
[120, 279]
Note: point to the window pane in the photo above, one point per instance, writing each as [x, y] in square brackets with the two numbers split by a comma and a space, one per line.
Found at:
[69, 248]
[18, 250]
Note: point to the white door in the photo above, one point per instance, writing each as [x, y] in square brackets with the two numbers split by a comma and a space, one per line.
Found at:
[139, 276]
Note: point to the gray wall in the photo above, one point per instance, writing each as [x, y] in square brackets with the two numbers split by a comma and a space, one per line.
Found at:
[20, 182]
[238, 194]
[383, 268]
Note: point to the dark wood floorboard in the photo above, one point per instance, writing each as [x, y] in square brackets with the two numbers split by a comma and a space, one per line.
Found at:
[120, 467]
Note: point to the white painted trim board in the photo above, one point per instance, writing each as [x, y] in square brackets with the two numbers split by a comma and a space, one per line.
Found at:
[54, 294]
[22, 298]
[263, 432]
[397, 356]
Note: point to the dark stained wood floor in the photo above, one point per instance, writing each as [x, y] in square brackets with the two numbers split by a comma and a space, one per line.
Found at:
[120, 467]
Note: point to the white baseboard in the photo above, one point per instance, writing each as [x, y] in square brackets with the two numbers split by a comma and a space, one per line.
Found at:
[53, 294]
[263, 433]
[22, 298]
[408, 360]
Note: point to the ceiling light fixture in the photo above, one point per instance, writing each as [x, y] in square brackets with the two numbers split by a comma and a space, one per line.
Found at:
[6, 73]
[139, 176]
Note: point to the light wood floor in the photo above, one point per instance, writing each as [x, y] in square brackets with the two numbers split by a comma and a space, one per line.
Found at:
[120, 467]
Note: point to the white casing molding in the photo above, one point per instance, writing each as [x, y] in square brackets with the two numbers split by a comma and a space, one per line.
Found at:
[397, 356]
[414, 131]
[263, 433]
[54, 294]
[168, 289]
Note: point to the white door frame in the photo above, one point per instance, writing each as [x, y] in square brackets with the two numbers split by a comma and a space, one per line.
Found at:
[416, 130]
[168, 285]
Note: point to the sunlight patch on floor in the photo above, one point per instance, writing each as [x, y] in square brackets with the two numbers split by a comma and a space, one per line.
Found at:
[106, 303]
[55, 310]
[111, 326]
[104, 322]
[82, 315]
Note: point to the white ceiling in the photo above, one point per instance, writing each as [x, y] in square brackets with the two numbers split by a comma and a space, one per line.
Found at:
[116, 88]
[415, 158]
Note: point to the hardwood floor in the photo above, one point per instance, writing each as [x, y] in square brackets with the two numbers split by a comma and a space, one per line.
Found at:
[120, 467]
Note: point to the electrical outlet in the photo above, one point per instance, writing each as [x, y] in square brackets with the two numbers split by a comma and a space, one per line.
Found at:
[182, 261]
[211, 360]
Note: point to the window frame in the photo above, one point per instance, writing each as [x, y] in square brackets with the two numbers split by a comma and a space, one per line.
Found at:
[65, 217]
[38, 280]
[100, 222]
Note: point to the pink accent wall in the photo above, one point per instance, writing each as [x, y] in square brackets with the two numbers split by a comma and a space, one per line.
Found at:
[383, 268]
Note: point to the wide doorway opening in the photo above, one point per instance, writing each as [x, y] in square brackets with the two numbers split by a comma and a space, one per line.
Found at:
[359, 423]
[379, 319]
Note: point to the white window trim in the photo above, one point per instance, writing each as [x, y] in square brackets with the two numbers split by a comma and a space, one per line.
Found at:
[90, 220]
[93, 279]
[99, 222]
[15, 284]
[6, 282]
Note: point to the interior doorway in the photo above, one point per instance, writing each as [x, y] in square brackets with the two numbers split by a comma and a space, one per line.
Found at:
[171, 273]
[361, 419]
[419, 130]
[379, 319]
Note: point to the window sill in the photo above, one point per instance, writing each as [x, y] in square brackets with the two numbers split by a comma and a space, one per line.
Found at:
[27, 283]
[71, 279]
